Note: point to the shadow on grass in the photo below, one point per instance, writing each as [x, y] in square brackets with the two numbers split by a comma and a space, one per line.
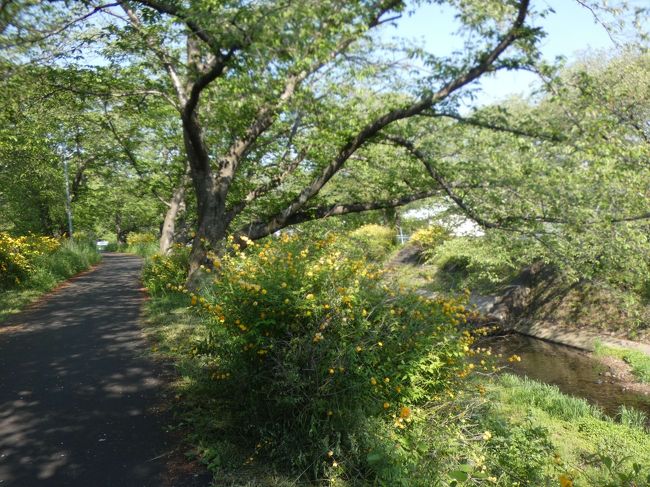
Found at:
[179, 334]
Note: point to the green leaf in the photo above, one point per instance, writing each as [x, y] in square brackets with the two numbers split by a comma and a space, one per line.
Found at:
[459, 475]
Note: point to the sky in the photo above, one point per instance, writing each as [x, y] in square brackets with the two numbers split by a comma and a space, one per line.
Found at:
[571, 30]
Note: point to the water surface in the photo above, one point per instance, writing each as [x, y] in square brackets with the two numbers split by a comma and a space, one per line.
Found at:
[574, 372]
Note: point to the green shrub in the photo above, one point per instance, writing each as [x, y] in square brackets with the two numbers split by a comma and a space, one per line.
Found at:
[473, 263]
[373, 241]
[162, 272]
[319, 363]
[517, 451]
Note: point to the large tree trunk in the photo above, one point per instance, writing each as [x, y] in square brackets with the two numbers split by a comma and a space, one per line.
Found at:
[211, 230]
[210, 191]
[176, 206]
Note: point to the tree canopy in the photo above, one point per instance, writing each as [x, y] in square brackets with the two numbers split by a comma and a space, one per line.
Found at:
[281, 113]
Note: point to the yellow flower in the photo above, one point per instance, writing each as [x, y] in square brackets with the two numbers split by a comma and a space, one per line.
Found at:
[380, 344]
[309, 296]
[487, 435]
[284, 284]
[386, 380]
[373, 381]
[565, 481]
[330, 453]
[405, 412]
[386, 405]
[331, 371]
[358, 349]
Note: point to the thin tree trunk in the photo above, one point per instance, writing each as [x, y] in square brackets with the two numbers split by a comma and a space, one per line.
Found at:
[176, 206]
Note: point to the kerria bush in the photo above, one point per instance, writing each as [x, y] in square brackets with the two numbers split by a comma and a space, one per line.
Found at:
[321, 363]
[18, 255]
[163, 272]
[429, 239]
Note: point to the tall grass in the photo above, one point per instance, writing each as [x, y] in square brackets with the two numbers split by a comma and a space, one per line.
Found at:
[548, 398]
[632, 417]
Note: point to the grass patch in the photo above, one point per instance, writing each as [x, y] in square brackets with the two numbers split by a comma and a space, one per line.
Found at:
[548, 398]
[69, 259]
[638, 361]
[589, 447]
[632, 417]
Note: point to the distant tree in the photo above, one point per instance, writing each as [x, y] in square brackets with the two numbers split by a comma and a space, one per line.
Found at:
[564, 177]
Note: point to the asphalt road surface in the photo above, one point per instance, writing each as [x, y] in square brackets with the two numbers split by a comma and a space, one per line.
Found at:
[79, 398]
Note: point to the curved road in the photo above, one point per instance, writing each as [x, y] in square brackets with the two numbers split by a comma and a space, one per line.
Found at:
[79, 398]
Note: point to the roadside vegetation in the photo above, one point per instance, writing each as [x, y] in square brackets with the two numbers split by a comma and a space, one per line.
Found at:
[31, 266]
[143, 244]
[300, 362]
[271, 152]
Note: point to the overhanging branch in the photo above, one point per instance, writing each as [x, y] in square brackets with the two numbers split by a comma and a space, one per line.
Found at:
[371, 130]
[262, 229]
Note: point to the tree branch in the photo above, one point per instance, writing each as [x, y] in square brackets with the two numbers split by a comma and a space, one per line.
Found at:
[435, 174]
[154, 46]
[267, 113]
[130, 155]
[498, 128]
[375, 127]
[268, 186]
[262, 229]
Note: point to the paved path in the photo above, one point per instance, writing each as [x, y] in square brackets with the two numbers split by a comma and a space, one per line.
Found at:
[78, 396]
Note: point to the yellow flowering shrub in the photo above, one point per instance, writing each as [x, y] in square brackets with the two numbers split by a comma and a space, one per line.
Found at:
[163, 272]
[17, 255]
[430, 238]
[312, 350]
[141, 238]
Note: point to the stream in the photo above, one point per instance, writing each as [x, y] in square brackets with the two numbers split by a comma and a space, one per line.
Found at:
[573, 371]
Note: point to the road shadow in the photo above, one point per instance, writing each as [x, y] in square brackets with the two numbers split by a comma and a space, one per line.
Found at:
[80, 401]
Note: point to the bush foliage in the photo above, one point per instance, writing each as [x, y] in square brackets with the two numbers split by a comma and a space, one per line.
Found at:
[30, 266]
[317, 360]
[162, 272]
[429, 239]
[18, 255]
